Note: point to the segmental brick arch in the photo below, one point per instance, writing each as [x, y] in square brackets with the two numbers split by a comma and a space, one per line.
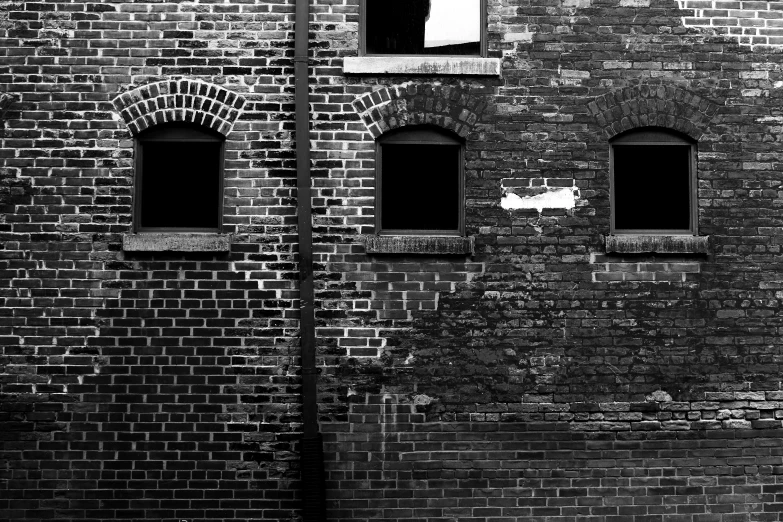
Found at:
[193, 101]
[451, 107]
[653, 105]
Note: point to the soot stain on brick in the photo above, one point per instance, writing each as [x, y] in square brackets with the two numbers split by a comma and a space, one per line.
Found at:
[533, 344]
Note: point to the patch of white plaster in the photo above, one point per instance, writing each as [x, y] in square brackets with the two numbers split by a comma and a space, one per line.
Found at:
[552, 198]
[422, 400]
[659, 396]
[409, 359]
[537, 194]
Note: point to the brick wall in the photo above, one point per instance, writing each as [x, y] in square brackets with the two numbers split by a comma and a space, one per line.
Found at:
[145, 386]
[559, 381]
[542, 378]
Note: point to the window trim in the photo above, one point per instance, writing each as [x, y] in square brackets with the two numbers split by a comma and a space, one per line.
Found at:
[176, 132]
[646, 136]
[363, 37]
[419, 135]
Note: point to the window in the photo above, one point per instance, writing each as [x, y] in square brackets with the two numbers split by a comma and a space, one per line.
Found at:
[419, 183]
[423, 27]
[179, 179]
[653, 183]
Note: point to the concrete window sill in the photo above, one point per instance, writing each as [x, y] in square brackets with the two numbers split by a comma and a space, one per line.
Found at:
[422, 65]
[424, 245]
[658, 244]
[176, 242]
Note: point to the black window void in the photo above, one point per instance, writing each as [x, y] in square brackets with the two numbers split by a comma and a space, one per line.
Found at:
[420, 184]
[179, 185]
[423, 27]
[653, 185]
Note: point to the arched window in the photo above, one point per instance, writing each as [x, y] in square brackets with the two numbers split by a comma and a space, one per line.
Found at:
[420, 186]
[653, 183]
[179, 179]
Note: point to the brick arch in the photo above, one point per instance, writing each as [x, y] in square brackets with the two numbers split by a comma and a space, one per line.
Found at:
[179, 100]
[451, 107]
[653, 105]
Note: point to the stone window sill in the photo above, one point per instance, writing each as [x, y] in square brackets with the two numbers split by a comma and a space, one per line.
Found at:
[657, 244]
[423, 245]
[176, 242]
[424, 65]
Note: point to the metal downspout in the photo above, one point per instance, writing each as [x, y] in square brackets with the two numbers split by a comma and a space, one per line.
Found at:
[312, 455]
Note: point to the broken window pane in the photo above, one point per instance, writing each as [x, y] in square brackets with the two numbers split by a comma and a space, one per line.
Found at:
[652, 187]
[423, 27]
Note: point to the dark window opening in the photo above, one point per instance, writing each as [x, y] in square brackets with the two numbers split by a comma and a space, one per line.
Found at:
[420, 183]
[653, 185]
[423, 27]
[179, 182]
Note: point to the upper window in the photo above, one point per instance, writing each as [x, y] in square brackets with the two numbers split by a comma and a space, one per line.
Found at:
[653, 183]
[179, 179]
[419, 183]
[423, 27]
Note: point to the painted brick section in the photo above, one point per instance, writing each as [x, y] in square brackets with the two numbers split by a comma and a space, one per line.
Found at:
[754, 24]
[611, 268]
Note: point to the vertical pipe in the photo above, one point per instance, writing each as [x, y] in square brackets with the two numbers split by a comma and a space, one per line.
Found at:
[311, 454]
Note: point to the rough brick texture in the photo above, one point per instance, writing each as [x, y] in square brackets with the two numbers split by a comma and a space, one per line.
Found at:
[450, 107]
[652, 106]
[540, 379]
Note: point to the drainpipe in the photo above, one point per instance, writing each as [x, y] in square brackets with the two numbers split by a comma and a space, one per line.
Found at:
[312, 452]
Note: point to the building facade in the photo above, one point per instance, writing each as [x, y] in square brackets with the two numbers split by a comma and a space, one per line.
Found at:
[546, 256]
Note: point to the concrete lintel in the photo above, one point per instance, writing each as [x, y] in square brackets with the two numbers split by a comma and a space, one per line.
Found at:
[428, 65]
[658, 244]
[176, 242]
[427, 245]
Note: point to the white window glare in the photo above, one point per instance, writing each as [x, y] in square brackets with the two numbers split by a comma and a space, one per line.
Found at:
[452, 22]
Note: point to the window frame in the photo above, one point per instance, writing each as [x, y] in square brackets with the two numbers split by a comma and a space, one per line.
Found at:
[363, 37]
[419, 135]
[180, 132]
[647, 136]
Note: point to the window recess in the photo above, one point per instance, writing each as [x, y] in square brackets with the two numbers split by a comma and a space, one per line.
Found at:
[653, 183]
[420, 187]
[179, 179]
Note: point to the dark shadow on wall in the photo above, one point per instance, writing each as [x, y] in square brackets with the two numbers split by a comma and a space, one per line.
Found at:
[512, 336]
